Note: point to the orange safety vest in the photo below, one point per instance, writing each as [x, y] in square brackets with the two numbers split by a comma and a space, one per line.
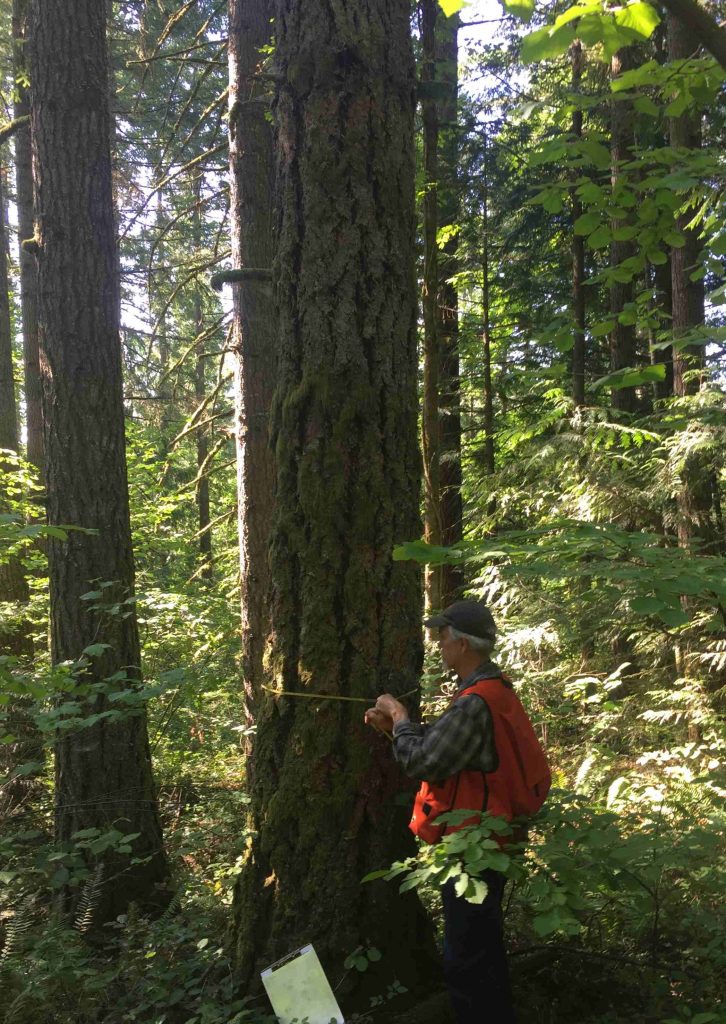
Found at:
[516, 788]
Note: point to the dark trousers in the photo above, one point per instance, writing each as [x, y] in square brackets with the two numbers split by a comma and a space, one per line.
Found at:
[475, 963]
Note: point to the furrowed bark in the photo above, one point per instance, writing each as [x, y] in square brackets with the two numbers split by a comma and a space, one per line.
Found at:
[103, 771]
[255, 340]
[345, 617]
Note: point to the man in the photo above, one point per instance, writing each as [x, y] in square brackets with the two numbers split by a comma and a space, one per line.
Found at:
[482, 753]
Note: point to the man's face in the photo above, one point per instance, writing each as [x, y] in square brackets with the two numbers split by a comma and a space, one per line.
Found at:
[451, 650]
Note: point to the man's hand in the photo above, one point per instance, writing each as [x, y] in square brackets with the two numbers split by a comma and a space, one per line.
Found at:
[379, 720]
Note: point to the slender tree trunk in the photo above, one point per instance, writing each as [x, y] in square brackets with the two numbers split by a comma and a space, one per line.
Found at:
[255, 338]
[447, 72]
[430, 428]
[103, 771]
[698, 497]
[687, 296]
[202, 433]
[578, 252]
[28, 264]
[14, 637]
[8, 405]
[662, 292]
[622, 337]
[345, 617]
[489, 463]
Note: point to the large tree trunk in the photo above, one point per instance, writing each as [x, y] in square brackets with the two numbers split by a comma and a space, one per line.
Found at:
[28, 265]
[345, 617]
[622, 336]
[452, 577]
[103, 771]
[255, 342]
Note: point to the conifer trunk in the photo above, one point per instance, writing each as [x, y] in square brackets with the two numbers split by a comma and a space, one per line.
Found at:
[578, 251]
[447, 74]
[345, 617]
[255, 339]
[202, 433]
[14, 636]
[103, 772]
[698, 496]
[430, 418]
[28, 265]
[622, 336]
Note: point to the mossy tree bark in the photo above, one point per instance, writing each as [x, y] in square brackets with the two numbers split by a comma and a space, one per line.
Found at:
[252, 174]
[103, 772]
[345, 616]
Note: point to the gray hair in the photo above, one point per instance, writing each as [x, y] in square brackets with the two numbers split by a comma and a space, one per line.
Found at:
[480, 644]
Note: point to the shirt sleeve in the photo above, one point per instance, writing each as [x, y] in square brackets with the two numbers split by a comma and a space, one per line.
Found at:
[462, 738]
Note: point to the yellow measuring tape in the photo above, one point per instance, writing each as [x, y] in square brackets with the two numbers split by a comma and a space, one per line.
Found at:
[328, 696]
[331, 696]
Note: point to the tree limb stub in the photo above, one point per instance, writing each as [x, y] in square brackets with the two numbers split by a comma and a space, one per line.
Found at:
[242, 276]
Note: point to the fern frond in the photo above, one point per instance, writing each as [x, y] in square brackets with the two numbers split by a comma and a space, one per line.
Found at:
[88, 901]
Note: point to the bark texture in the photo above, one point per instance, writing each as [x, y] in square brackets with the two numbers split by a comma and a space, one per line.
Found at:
[255, 342]
[28, 265]
[103, 772]
[345, 617]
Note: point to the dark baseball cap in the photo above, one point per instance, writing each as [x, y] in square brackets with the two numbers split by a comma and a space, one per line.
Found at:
[470, 617]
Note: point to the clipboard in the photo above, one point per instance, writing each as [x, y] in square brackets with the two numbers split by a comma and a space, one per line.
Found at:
[297, 988]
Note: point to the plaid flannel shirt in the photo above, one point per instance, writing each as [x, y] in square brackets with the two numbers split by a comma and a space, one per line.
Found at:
[462, 738]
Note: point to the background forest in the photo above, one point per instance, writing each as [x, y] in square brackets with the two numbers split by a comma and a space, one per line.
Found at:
[311, 451]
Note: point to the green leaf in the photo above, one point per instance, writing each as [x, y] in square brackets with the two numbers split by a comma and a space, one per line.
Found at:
[586, 224]
[450, 7]
[640, 17]
[94, 650]
[645, 105]
[646, 605]
[600, 238]
[373, 875]
[602, 329]
[547, 42]
[522, 9]
[673, 617]
[630, 377]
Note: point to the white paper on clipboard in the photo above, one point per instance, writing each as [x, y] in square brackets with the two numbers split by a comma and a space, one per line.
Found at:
[297, 988]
